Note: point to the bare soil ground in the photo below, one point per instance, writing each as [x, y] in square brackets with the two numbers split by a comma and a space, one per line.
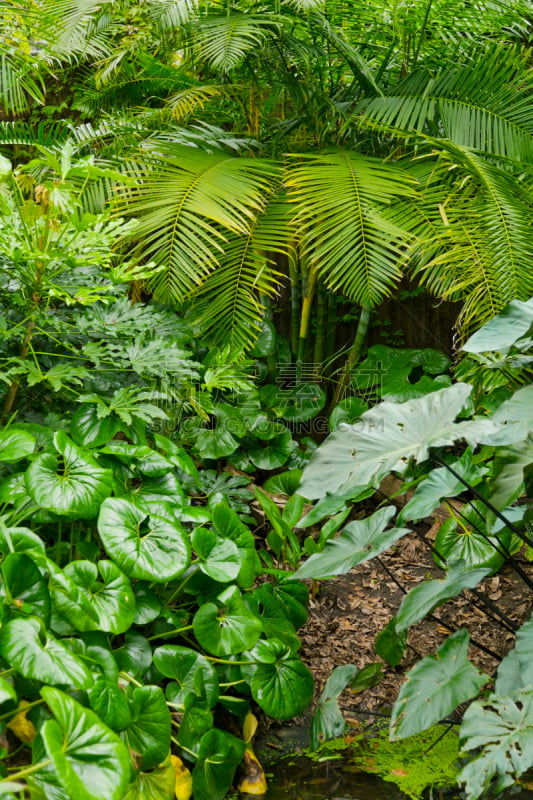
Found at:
[348, 612]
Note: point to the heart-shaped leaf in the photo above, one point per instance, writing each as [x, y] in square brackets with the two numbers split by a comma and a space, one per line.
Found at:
[135, 655]
[25, 589]
[109, 702]
[15, 445]
[218, 557]
[359, 541]
[281, 684]
[110, 598]
[428, 595]
[69, 482]
[148, 733]
[36, 654]
[196, 721]
[387, 437]
[89, 760]
[227, 626]
[272, 453]
[464, 538]
[144, 546]
[435, 687]
[19, 540]
[190, 672]
[218, 757]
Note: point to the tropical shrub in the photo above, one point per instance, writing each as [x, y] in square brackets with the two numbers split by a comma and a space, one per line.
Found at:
[433, 439]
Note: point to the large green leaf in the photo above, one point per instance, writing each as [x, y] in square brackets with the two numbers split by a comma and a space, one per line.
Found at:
[90, 761]
[144, 546]
[135, 655]
[25, 589]
[70, 482]
[190, 672]
[148, 732]
[227, 626]
[464, 538]
[508, 472]
[359, 541]
[15, 445]
[438, 484]
[516, 669]
[218, 557]
[435, 687]
[110, 598]
[281, 684]
[503, 728]
[89, 429]
[228, 524]
[387, 437]
[328, 721]
[218, 757]
[503, 330]
[36, 654]
[428, 595]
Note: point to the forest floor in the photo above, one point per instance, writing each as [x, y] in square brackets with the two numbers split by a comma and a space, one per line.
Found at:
[348, 612]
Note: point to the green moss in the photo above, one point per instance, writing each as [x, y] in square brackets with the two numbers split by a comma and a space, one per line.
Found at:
[414, 764]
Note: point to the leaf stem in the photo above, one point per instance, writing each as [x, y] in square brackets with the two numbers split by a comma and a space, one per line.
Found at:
[28, 770]
[169, 633]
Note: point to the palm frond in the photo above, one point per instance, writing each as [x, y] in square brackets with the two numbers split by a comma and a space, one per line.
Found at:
[484, 104]
[340, 200]
[17, 82]
[227, 308]
[167, 15]
[187, 205]
[23, 133]
[475, 242]
[224, 41]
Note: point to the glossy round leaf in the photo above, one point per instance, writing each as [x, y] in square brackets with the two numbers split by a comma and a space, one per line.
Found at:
[109, 702]
[25, 588]
[69, 482]
[190, 672]
[148, 733]
[147, 605]
[110, 597]
[457, 540]
[228, 626]
[196, 721]
[218, 557]
[89, 430]
[348, 410]
[157, 784]
[135, 655]
[19, 540]
[38, 655]
[7, 691]
[90, 761]
[144, 546]
[218, 757]
[281, 684]
[284, 483]
[271, 453]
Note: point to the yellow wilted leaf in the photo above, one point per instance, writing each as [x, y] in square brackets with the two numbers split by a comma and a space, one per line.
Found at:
[254, 781]
[23, 728]
[183, 786]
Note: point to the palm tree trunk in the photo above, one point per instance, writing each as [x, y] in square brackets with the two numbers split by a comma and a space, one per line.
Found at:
[353, 356]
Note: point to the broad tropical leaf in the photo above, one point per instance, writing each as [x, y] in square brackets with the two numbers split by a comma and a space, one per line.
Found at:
[386, 437]
[435, 687]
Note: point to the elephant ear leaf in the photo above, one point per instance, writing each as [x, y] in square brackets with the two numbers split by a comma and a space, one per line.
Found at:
[89, 760]
[435, 687]
[387, 437]
[69, 481]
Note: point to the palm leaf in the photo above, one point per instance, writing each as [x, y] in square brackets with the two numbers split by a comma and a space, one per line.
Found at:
[187, 205]
[340, 202]
[228, 306]
[223, 41]
[484, 104]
